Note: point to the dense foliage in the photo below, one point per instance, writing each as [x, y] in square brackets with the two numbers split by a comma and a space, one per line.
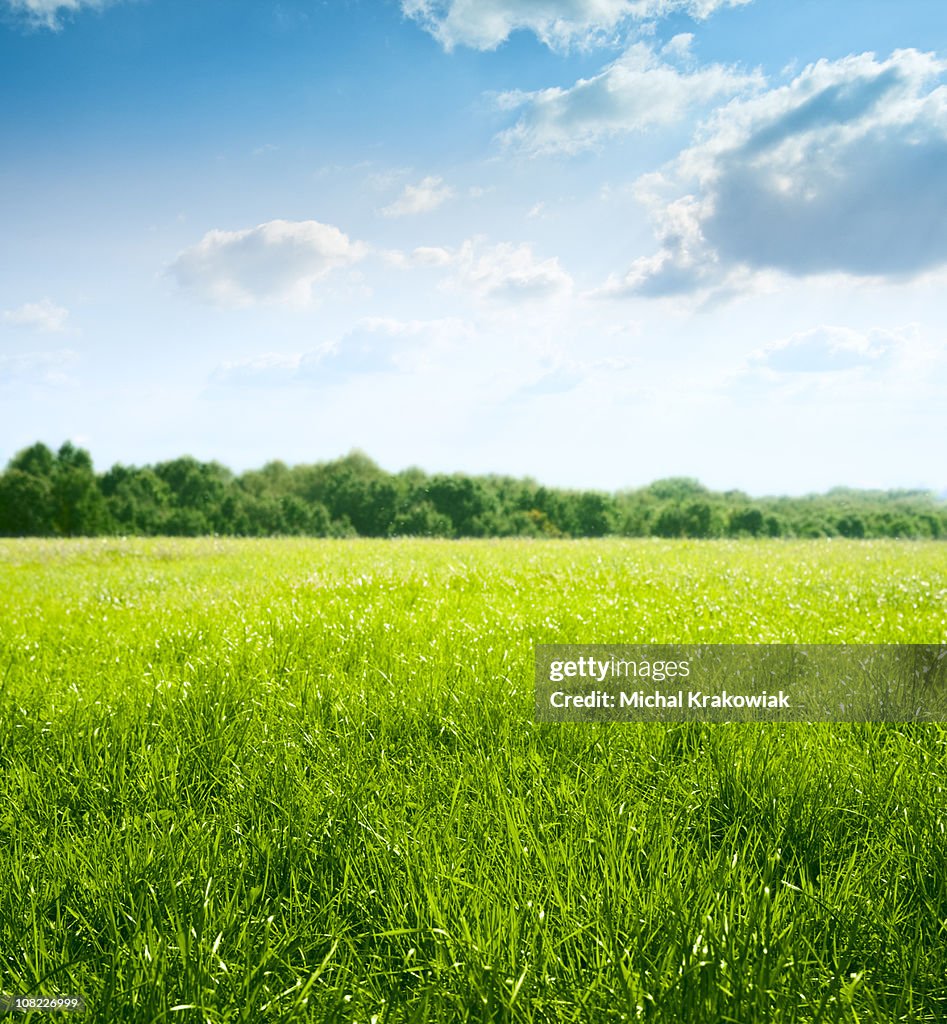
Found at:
[47, 494]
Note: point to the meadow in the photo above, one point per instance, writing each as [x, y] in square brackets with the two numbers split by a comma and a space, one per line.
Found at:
[300, 780]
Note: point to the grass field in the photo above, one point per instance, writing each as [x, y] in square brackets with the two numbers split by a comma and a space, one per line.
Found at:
[299, 780]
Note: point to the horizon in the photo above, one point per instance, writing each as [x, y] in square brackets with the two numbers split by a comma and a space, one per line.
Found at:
[627, 488]
[596, 245]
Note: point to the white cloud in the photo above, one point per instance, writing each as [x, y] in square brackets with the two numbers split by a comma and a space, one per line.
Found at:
[509, 272]
[381, 181]
[635, 92]
[427, 195]
[44, 315]
[266, 370]
[376, 345]
[555, 375]
[505, 271]
[827, 349]
[421, 257]
[49, 368]
[679, 47]
[47, 13]
[278, 261]
[839, 171]
[879, 370]
[485, 24]
[697, 9]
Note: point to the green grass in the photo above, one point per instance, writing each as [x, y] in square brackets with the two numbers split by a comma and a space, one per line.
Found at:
[299, 780]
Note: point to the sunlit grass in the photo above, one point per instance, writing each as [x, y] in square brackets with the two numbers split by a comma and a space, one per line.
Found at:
[299, 780]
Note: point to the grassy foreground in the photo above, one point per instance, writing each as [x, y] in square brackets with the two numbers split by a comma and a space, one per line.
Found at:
[299, 780]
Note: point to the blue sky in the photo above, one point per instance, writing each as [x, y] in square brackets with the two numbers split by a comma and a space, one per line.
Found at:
[593, 241]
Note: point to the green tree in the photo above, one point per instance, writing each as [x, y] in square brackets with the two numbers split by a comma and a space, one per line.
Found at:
[421, 520]
[197, 492]
[593, 514]
[357, 491]
[78, 506]
[700, 520]
[465, 501]
[676, 488]
[746, 521]
[37, 460]
[137, 500]
[851, 525]
[26, 505]
[669, 522]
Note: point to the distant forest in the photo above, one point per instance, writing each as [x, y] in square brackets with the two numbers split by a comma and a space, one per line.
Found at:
[47, 494]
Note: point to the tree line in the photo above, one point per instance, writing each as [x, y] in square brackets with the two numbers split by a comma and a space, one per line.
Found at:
[59, 494]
